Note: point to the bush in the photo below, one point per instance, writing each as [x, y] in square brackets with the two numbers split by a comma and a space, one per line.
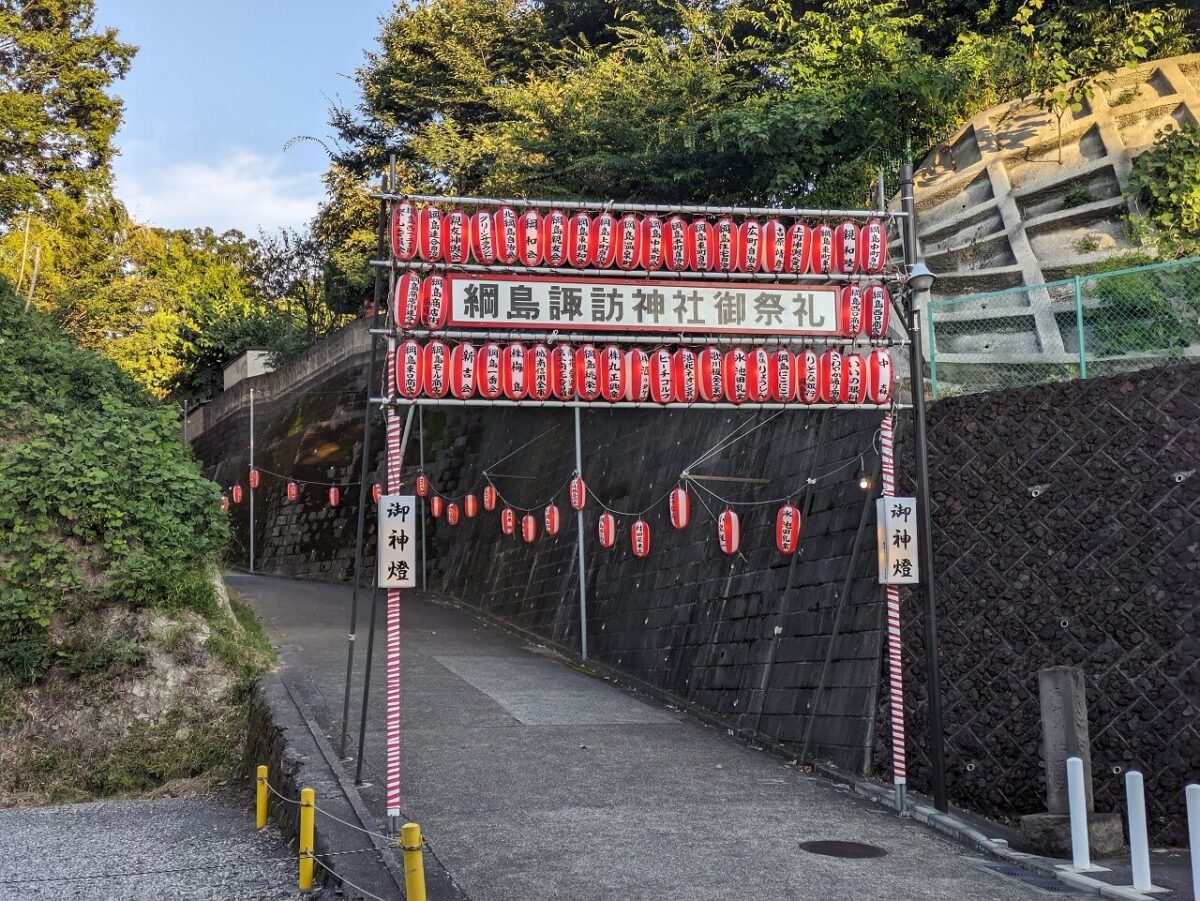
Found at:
[1165, 183]
[99, 499]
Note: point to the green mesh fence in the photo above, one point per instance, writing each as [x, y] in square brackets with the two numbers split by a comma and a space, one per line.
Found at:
[1082, 327]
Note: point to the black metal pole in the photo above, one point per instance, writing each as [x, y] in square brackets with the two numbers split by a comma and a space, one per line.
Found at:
[937, 754]
[362, 484]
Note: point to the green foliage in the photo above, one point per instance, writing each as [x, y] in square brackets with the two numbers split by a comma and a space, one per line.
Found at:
[1165, 184]
[99, 500]
[1078, 196]
[57, 118]
[1155, 310]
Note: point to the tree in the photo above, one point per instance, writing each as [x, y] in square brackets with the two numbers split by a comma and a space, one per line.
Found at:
[57, 119]
[290, 271]
[1165, 188]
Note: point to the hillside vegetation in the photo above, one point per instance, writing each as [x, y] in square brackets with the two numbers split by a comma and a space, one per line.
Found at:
[121, 664]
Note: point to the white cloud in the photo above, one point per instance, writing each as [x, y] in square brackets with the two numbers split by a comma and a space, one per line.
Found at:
[245, 190]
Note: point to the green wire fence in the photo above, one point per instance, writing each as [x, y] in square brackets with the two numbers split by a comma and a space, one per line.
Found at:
[1089, 325]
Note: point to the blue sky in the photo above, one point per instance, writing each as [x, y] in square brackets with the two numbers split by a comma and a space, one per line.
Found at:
[215, 91]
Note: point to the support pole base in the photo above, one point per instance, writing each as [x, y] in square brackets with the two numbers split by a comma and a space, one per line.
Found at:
[1050, 834]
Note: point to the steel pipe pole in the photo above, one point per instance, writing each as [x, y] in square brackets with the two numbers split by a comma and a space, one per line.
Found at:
[252, 491]
[579, 544]
[937, 753]
[482, 334]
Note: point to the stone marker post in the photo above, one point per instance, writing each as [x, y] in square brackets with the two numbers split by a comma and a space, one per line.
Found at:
[1063, 697]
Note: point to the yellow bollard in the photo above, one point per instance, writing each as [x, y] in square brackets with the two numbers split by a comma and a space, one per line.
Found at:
[260, 789]
[414, 862]
[308, 801]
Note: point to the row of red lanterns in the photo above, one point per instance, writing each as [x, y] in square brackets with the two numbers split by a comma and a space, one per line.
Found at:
[291, 493]
[865, 309]
[563, 372]
[729, 532]
[604, 241]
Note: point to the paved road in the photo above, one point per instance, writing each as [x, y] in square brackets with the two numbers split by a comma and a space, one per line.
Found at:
[203, 847]
[534, 781]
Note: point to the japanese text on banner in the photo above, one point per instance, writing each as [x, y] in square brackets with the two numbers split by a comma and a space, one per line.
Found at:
[397, 552]
[896, 528]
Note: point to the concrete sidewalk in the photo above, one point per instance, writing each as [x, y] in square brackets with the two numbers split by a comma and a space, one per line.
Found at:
[535, 781]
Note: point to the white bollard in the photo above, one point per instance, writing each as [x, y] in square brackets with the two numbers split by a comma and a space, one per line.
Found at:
[1139, 844]
[1193, 809]
[1080, 854]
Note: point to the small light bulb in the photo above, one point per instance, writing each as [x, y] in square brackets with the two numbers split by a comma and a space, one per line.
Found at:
[864, 481]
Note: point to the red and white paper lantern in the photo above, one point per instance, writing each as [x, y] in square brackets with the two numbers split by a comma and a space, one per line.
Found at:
[872, 247]
[676, 244]
[436, 505]
[376, 492]
[607, 528]
[612, 373]
[587, 366]
[514, 369]
[335, 496]
[422, 484]
[253, 479]
[577, 493]
[470, 506]
[833, 377]
[529, 238]
[654, 243]
[736, 374]
[774, 246]
[681, 508]
[237, 494]
[508, 521]
[429, 234]
[808, 376]
[404, 230]
[725, 238]
[639, 538]
[538, 364]
[529, 528]
[629, 242]
[760, 378]
[879, 308]
[293, 492]
[799, 249]
[483, 238]
[562, 372]
[410, 366]
[820, 252]
[579, 240]
[554, 238]
[489, 497]
[434, 306]
[787, 529]
[879, 376]
[637, 375]
[504, 232]
[437, 369]
[462, 370]
[224, 503]
[552, 519]
[604, 240]
[661, 383]
[856, 379]
[456, 237]
[711, 382]
[406, 303]
[702, 255]
[750, 246]
[783, 376]
[685, 374]
[729, 531]
[490, 368]
[452, 513]
[853, 310]
[845, 247]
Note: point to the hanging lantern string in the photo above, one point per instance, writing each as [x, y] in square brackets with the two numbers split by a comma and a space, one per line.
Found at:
[288, 478]
[536, 506]
[622, 513]
[730, 439]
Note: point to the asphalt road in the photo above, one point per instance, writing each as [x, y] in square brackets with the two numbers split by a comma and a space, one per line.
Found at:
[534, 781]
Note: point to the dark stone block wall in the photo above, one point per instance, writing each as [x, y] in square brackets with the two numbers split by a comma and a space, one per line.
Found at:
[1100, 570]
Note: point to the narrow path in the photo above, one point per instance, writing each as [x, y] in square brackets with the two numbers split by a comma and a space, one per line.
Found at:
[534, 781]
[202, 848]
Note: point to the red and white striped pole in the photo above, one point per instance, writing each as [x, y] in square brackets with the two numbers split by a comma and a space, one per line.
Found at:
[895, 672]
[395, 462]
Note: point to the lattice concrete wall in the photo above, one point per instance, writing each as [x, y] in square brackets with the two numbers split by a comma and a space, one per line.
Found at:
[992, 209]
